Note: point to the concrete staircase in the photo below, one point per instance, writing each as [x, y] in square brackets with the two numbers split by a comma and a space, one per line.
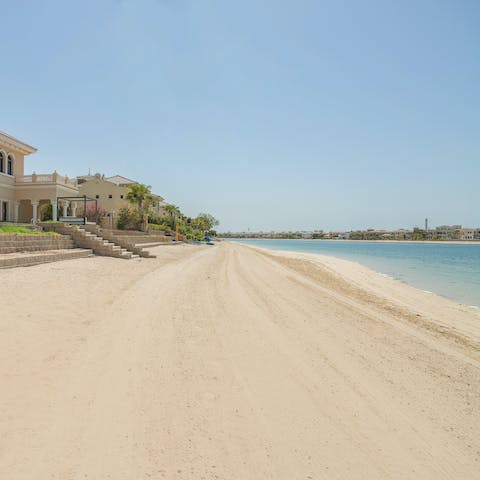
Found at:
[127, 242]
[90, 240]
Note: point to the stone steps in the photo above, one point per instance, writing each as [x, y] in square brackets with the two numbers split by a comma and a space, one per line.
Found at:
[27, 259]
[154, 244]
[122, 241]
[87, 239]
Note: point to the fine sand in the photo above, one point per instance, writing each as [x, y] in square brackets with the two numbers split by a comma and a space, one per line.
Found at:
[231, 362]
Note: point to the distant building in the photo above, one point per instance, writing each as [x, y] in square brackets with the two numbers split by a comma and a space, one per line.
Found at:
[402, 234]
[447, 232]
[470, 234]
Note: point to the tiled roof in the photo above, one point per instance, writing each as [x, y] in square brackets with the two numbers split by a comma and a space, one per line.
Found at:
[119, 180]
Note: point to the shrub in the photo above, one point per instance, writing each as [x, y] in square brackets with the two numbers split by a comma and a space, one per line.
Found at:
[128, 219]
[160, 227]
[92, 213]
[45, 212]
[160, 220]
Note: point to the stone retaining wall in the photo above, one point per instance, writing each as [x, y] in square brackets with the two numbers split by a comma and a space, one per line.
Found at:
[33, 243]
[28, 259]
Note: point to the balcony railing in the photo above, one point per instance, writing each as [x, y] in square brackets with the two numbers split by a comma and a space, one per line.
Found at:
[46, 178]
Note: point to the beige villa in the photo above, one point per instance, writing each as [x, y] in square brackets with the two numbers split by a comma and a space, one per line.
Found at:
[111, 193]
[23, 196]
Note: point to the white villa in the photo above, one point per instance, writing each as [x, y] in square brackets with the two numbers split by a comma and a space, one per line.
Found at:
[22, 196]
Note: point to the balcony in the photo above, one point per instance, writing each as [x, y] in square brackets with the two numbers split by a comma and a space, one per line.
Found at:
[6, 179]
[45, 179]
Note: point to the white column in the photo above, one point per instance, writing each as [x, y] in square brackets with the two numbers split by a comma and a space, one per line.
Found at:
[74, 209]
[16, 207]
[65, 207]
[35, 211]
[54, 210]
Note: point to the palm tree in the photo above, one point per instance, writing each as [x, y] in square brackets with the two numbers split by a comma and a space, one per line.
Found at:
[141, 196]
[174, 213]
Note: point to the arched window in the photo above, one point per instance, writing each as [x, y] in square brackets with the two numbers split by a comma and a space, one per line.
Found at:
[10, 165]
[1, 162]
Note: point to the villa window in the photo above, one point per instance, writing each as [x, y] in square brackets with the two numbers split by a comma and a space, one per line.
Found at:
[121, 196]
[1, 162]
[9, 165]
[97, 196]
[110, 196]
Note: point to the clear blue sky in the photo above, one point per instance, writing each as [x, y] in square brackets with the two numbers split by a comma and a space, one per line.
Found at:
[269, 114]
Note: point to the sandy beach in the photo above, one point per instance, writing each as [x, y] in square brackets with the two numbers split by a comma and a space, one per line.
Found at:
[232, 362]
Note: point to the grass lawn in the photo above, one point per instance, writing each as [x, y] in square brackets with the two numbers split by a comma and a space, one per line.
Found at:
[14, 230]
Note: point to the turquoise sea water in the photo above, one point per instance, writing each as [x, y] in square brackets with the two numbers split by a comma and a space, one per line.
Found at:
[452, 271]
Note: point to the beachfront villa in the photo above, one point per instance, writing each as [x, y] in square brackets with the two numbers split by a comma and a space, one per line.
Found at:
[470, 234]
[27, 198]
[111, 193]
[22, 197]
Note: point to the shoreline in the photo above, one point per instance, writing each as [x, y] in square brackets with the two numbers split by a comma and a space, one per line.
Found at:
[435, 242]
[331, 260]
[365, 265]
[444, 313]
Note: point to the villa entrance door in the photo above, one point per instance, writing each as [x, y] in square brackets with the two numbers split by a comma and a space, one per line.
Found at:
[4, 211]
